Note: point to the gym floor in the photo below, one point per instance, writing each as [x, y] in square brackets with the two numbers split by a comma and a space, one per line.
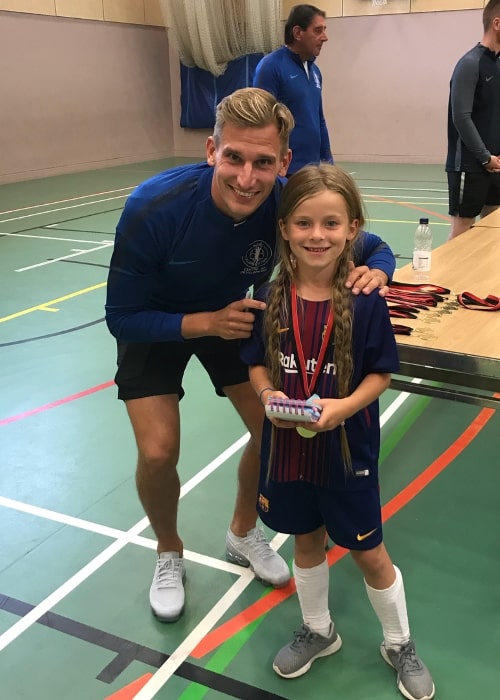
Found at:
[77, 553]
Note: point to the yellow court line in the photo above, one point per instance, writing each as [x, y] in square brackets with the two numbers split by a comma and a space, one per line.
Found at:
[45, 304]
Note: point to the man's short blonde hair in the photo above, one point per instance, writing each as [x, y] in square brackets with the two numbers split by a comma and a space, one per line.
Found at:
[254, 107]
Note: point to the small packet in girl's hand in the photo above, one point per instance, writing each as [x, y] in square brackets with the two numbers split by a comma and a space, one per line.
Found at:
[298, 410]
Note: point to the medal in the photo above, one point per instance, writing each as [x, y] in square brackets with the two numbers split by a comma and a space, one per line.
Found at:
[307, 385]
[303, 432]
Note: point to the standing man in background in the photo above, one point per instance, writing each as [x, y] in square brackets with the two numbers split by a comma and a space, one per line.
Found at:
[291, 75]
[473, 162]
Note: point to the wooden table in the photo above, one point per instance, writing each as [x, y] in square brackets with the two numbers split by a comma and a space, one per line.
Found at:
[454, 346]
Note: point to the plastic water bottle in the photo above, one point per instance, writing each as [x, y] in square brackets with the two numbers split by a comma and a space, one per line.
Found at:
[422, 247]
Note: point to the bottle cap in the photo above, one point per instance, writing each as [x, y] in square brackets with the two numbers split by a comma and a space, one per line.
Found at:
[424, 221]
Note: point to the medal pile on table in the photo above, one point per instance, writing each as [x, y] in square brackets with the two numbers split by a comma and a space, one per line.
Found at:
[410, 300]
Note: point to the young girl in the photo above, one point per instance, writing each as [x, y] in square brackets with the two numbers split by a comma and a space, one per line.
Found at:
[316, 338]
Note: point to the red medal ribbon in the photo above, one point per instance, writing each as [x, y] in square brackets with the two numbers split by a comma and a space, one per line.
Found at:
[471, 301]
[309, 385]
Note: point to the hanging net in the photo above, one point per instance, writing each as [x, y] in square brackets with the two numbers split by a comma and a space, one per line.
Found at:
[210, 33]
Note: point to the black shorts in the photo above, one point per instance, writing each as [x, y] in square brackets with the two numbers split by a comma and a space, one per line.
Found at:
[353, 519]
[468, 193]
[154, 369]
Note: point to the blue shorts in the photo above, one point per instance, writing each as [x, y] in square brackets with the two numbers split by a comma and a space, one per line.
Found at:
[353, 519]
[154, 369]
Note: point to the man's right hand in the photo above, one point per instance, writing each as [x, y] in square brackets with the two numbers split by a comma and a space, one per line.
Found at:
[493, 165]
[232, 322]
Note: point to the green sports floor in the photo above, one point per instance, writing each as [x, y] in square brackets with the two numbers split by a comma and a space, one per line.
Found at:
[77, 554]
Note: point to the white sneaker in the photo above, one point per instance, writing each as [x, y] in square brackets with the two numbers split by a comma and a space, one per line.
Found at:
[254, 551]
[166, 595]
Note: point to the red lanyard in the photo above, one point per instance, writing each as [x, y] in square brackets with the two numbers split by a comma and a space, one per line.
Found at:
[309, 385]
[471, 301]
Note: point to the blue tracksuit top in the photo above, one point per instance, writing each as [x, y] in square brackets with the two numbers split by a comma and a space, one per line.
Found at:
[282, 73]
[176, 253]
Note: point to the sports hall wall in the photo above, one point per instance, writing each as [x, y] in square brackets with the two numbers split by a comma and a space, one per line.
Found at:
[79, 94]
[92, 83]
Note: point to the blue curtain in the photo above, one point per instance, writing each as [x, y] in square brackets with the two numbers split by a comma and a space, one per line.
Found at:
[201, 91]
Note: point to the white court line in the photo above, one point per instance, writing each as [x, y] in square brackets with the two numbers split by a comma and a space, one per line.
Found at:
[206, 471]
[52, 211]
[402, 221]
[181, 653]
[56, 596]
[106, 244]
[53, 515]
[69, 199]
[112, 532]
[376, 199]
[404, 189]
[122, 540]
[397, 403]
[50, 238]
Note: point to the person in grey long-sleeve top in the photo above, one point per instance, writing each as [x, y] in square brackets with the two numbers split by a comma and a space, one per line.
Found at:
[473, 161]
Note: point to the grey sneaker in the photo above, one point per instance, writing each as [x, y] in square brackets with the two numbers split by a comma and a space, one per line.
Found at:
[414, 680]
[166, 595]
[296, 658]
[254, 551]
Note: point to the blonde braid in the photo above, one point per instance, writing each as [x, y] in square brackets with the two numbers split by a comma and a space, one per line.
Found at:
[275, 318]
[342, 353]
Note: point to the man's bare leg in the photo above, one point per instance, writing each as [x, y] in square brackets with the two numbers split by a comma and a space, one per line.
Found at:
[245, 513]
[156, 425]
[155, 420]
[460, 224]
[488, 209]
[246, 544]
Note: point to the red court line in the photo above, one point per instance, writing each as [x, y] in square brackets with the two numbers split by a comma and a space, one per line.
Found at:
[262, 606]
[131, 690]
[54, 404]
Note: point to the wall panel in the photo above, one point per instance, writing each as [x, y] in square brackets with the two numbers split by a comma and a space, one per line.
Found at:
[129, 11]
[438, 5]
[41, 7]
[80, 9]
[153, 14]
[333, 8]
[366, 7]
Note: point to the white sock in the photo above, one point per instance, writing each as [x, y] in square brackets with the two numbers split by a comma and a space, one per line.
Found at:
[312, 591]
[390, 608]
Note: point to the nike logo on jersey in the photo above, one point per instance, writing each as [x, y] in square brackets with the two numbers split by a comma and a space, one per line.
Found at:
[360, 538]
[489, 78]
[295, 75]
